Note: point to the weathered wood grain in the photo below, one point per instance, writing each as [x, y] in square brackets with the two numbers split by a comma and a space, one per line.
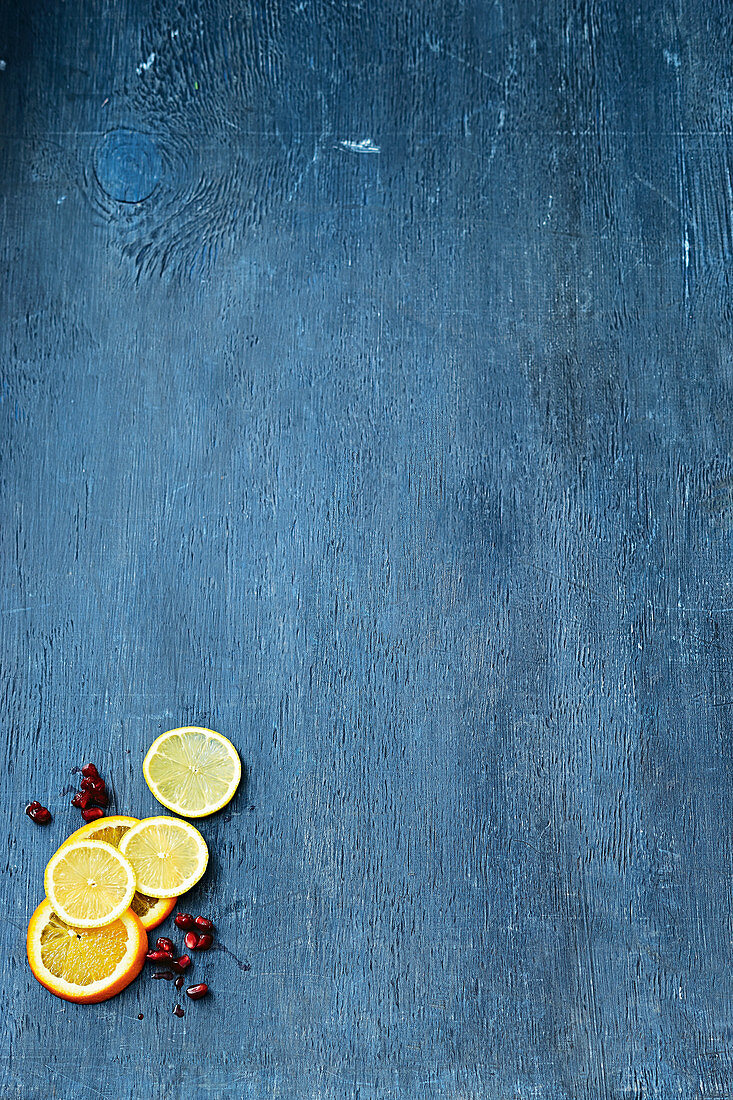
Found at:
[366, 395]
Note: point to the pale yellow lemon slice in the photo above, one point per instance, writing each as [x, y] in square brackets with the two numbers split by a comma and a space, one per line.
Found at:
[89, 883]
[169, 855]
[192, 771]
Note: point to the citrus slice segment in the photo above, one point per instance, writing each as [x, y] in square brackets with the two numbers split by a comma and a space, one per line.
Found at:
[85, 965]
[169, 855]
[192, 771]
[151, 911]
[108, 829]
[89, 883]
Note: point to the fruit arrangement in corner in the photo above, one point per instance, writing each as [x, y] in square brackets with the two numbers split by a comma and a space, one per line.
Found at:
[117, 877]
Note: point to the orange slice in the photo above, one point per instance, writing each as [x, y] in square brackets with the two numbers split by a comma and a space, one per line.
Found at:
[85, 965]
[151, 911]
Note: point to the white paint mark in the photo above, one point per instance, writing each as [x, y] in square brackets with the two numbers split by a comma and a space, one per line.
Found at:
[366, 145]
[672, 59]
[145, 65]
[18, 610]
[3, 66]
[174, 34]
[61, 199]
[687, 248]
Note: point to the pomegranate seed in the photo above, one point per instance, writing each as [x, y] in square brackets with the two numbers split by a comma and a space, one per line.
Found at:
[159, 956]
[179, 982]
[90, 771]
[184, 921]
[86, 784]
[204, 924]
[178, 1011]
[38, 813]
[76, 801]
[141, 1017]
[183, 962]
[165, 974]
[196, 992]
[191, 941]
[164, 944]
[204, 942]
[92, 814]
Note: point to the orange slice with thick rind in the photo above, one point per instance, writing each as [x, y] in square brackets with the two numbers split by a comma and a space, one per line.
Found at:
[85, 965]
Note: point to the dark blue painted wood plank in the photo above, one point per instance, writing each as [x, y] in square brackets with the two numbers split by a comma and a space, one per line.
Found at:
[366, 395]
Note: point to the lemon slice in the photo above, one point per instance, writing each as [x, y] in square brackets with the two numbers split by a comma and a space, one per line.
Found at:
[85, 966]
[192, 771]
[89, 883]
[169, 855]
[151, 911]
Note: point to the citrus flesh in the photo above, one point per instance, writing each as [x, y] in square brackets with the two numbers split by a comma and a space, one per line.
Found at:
[151, 911]
[85, 965]
[192, 771]
[168, 855]
[110, 830]
[89, 883]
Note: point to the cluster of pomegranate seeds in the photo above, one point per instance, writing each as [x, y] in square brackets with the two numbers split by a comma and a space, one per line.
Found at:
[92, 799]
[38, 813]
[198, 938]
[198, 931]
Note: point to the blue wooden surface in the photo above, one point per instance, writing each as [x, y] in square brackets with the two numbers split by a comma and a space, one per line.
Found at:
[366, 395]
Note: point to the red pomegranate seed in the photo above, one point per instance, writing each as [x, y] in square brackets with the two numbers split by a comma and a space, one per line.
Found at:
[204, 942]
[90, 771]
[178, 1011]
[183, 962]
[204, 924]
[164, 974]
[86, 784]
[179, 982]
[196, 992]
[159, 956]
[164, 944]
[184, 921]
[92, 814]
[38, 813]
[191, 941]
